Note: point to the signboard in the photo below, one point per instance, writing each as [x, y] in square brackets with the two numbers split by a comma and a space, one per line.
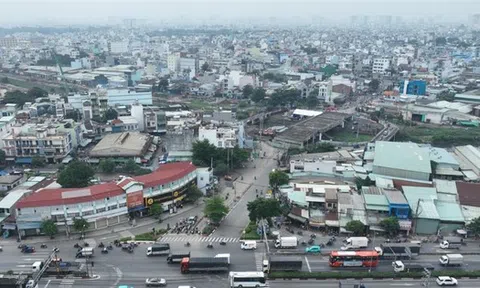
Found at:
[176, 195]
[134, 199]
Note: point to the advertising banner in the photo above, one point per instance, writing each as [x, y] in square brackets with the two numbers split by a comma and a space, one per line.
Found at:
[134, 199]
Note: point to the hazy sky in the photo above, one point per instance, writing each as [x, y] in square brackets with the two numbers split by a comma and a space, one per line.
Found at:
[61, 12]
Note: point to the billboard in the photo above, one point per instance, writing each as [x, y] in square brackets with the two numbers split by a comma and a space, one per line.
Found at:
[135, 199]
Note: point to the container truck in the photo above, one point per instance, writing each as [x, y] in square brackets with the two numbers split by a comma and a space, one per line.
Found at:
[451, 260]
[282, 263]
[353, 243]
[286, 242]
[204, 264]
[398, 250]
[225, 256]
[451, 243]
[177, 257]
[399, 266]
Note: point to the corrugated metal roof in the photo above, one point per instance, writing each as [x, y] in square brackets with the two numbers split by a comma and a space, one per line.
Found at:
[394, 196]
[447, 197]
[470, 213]
[449, 211]
[427, 195]
[404, 156]
[377, 200]
[440, 155]
[383, 182]
[427, 210]
[445, 186]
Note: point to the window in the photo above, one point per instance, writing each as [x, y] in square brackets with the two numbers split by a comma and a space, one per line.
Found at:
[86, 213]
[112, 207]
[122, 205]
[100, 210]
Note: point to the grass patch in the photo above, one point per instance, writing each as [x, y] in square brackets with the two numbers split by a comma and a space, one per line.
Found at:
[349, 136]
[375, 275]
[251, 232]
[444, 136]
[199, 104]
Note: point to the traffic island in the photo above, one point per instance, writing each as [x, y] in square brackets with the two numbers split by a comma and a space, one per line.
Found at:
[373, 275]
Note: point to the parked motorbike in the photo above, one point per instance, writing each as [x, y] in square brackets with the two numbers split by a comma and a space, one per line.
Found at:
[304, 243]
[329, 243]
[187, 244]
[210, 245]
[223, 243]
[43, 246]
[311, 241]
[86, 244]
[313, 236]
[300, 233]
[21, 246]
[110, 247]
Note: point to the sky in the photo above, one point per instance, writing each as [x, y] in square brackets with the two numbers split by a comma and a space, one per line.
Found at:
[105, 12]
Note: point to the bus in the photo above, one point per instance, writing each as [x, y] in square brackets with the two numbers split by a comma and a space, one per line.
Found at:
[247, 279]
[353, 258]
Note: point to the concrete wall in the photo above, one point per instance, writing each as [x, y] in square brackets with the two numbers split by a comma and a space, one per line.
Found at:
[399, 173]
[426, 226]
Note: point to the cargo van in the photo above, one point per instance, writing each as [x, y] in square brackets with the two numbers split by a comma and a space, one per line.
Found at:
[37, 266]
[248, 245]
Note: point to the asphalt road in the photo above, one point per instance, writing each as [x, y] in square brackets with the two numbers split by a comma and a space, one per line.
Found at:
[467, 283]
[237, 219]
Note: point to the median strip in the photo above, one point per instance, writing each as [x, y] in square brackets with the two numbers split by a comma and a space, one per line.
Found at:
[365, 275]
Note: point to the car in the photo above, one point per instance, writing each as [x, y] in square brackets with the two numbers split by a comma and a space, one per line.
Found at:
[446, 281]
[155, 282]
[313, 249]
[1, 248]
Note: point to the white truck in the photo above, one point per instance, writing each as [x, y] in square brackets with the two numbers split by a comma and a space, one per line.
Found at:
[248, 245]
[85, 252]
[451, 260]
[451, 243]
[286, 242]
[224, 255]
[353, 243]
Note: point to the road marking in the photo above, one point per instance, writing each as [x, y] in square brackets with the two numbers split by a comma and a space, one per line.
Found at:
[403, 284]
[308, 264]
[23, 266]
[46, 285]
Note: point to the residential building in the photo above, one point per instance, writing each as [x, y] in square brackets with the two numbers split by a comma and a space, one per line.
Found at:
[124, 124]
[173, 62]
[380, 65]
[6, 123]
[118, 47]
[189, 64]
[220, 137]
[205, 179]
[8, 182]
[414, 87]
[9, 109]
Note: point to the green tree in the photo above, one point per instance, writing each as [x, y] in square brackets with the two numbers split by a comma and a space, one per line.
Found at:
[75, 175]
[312, 101]
[474, 226]
[390, 225]
[220, 169]
[193, 194]
[218, 94]
[3, 160]
[4, 80]
[359, 182]
[37, 92]
[38, 162]
[155, 210]
[203, 152]
[215, 209]
[373, 85]
[276, 179]
[205, 67]
[258, 95]
[247, 91]
[262, 208]
[356, 227]
[130, 166]
[80, 225]
[107, 165]
[110, 114]
[48, 227]
[17, 97]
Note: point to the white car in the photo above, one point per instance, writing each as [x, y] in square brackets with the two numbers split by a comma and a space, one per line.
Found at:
[155, 282]
[446, 281]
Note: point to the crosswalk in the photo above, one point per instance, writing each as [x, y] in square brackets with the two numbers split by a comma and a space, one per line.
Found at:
[198, 238]
[25, 261]
[259, 261]
[67, 283]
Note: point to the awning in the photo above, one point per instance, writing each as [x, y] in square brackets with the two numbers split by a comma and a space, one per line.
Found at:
[376, 228]
[9, 226]
[29, 225]
[24, 160]
[67, 160]
[297, 218]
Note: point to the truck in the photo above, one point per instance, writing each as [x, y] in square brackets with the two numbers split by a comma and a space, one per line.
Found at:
[399, 266]
[248, 245]
[225, 256]
[353, 243]
[85, 252]
[177, 257]
[398, 250]
[282, 263]
[158, 249]
[204, 264]
[451, 260]
[286, 242]
[451, 243]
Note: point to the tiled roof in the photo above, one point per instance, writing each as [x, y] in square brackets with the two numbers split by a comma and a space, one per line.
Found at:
[469, 193]
[50, 197]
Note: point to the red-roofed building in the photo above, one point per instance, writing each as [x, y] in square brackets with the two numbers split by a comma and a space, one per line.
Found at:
[108, 203]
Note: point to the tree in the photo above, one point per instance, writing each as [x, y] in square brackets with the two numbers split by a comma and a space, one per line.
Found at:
[193, 194]
[359, 182]
[390, 225]
[312, 101]
[205, 67]
[107, 165]
[215, 209]
[101, 80]
[75, 175]
[220, 169]
[17, 97]
[203, 152]
[247, 91]
[38, 162]
[130, 166]
[110, 114]
[2, 158]
[258, 95]
[356, 227]
[262, 208]
[4, 80]
[277, 178]
[474, 226]
[80, 225]
[373, 85]
[48, 227]
[163, 85]
[155, 210]
[37, 92]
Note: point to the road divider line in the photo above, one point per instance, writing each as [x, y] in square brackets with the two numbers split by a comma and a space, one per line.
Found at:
[46, 285]
[308, 264]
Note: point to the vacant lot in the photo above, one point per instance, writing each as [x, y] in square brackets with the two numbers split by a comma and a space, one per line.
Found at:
[442, 136]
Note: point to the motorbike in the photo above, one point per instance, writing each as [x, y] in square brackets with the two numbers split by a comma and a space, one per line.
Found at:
[21, 246]
[333, 238]
[101, 245]
[311, 241]
[322, 245]
[110, 247]
[329, 243]
[104, 250]
[300, 233]
[210, 245]
[304, 243]
[86, 244]
[187, 244]
[43, 246]
[76, 245]
[223, 243]
[313, 236]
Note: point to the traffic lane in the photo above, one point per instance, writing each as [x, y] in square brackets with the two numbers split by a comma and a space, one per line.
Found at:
[320, 263]
[13, 259]
[466, 283]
